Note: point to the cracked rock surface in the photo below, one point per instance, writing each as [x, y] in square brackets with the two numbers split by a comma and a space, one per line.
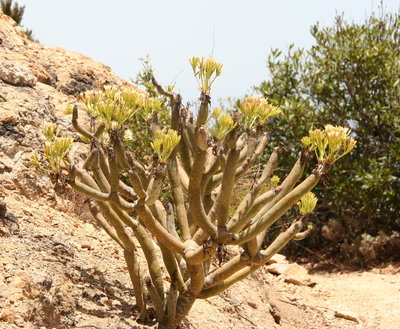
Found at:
[16, 74]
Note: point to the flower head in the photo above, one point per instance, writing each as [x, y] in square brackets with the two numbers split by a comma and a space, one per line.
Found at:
[224, 124]
[307, 203]
[164, 144]
[114, 106]
[150, 105]
[329, 144]
[257, 110]
[275, 180]
[50, 131]
[206, 70]
[55, 151]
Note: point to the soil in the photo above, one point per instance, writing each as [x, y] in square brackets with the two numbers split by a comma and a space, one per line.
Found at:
[58, 270]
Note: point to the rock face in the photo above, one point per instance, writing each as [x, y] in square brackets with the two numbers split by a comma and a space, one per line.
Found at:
[35, 82]
[17, 75]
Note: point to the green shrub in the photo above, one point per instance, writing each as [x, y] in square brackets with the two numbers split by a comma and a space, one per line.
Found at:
[350, 76]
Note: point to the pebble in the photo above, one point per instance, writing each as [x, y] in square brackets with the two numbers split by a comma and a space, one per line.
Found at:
[253, 305]
[346, 315]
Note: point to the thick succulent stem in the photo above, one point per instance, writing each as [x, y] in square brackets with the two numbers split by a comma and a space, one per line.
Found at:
[239, 219]
[228, 181]
[110, 229]
[229, 268]
[202, 116]
[279, 208]
[129, 249]
[178, 197]
[186, 300]
[155, 185]
[172, 299]
[155, 298]
[77, 126]
[195, 195]
[200, 254]
[157, 229]
[136, 277]
[168, 255]
[149, 251]
[280, 242]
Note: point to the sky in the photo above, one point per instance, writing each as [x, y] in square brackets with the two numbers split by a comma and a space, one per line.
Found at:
[239, 34]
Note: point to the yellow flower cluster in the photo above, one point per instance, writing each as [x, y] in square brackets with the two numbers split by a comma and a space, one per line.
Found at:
[256, 111]
[307, 203]
[223, 123]
[149, 106]
[91, 99]
[206, 70]
[50, 131]
[275, 180]
[55, 148]
[329, 144]
[114, 106]
[164, 144]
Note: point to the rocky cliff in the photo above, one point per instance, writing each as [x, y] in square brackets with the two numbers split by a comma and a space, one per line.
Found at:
[35, 83]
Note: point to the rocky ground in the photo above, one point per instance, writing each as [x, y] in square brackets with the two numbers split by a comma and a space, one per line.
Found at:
[58, 270]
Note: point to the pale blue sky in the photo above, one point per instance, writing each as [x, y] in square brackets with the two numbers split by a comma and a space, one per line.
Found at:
[117, 33]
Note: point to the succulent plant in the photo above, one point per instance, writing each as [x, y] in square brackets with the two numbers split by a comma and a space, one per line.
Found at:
[181, 199]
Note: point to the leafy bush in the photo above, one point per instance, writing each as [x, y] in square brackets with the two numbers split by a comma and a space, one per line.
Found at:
[351, 76]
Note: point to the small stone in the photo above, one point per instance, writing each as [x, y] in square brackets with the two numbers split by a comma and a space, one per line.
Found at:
[346, 315]
[20, 31]
[278, 258]
[76, 245]
[296, 270]
[88, 228]
[275, 312]
[294, 281]
[95, 244]
[106, 301]
[277, 268]
[27, 211]
[86, 245]
[3, 287]
[253, 305]
[116, 303]
[19, 282]
[110, 290]
[21, 287]
[292, 273]
[97, 270]
[8, 184]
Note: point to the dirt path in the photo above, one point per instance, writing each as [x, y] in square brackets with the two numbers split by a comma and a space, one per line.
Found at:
[371, 297]
[374, 296]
